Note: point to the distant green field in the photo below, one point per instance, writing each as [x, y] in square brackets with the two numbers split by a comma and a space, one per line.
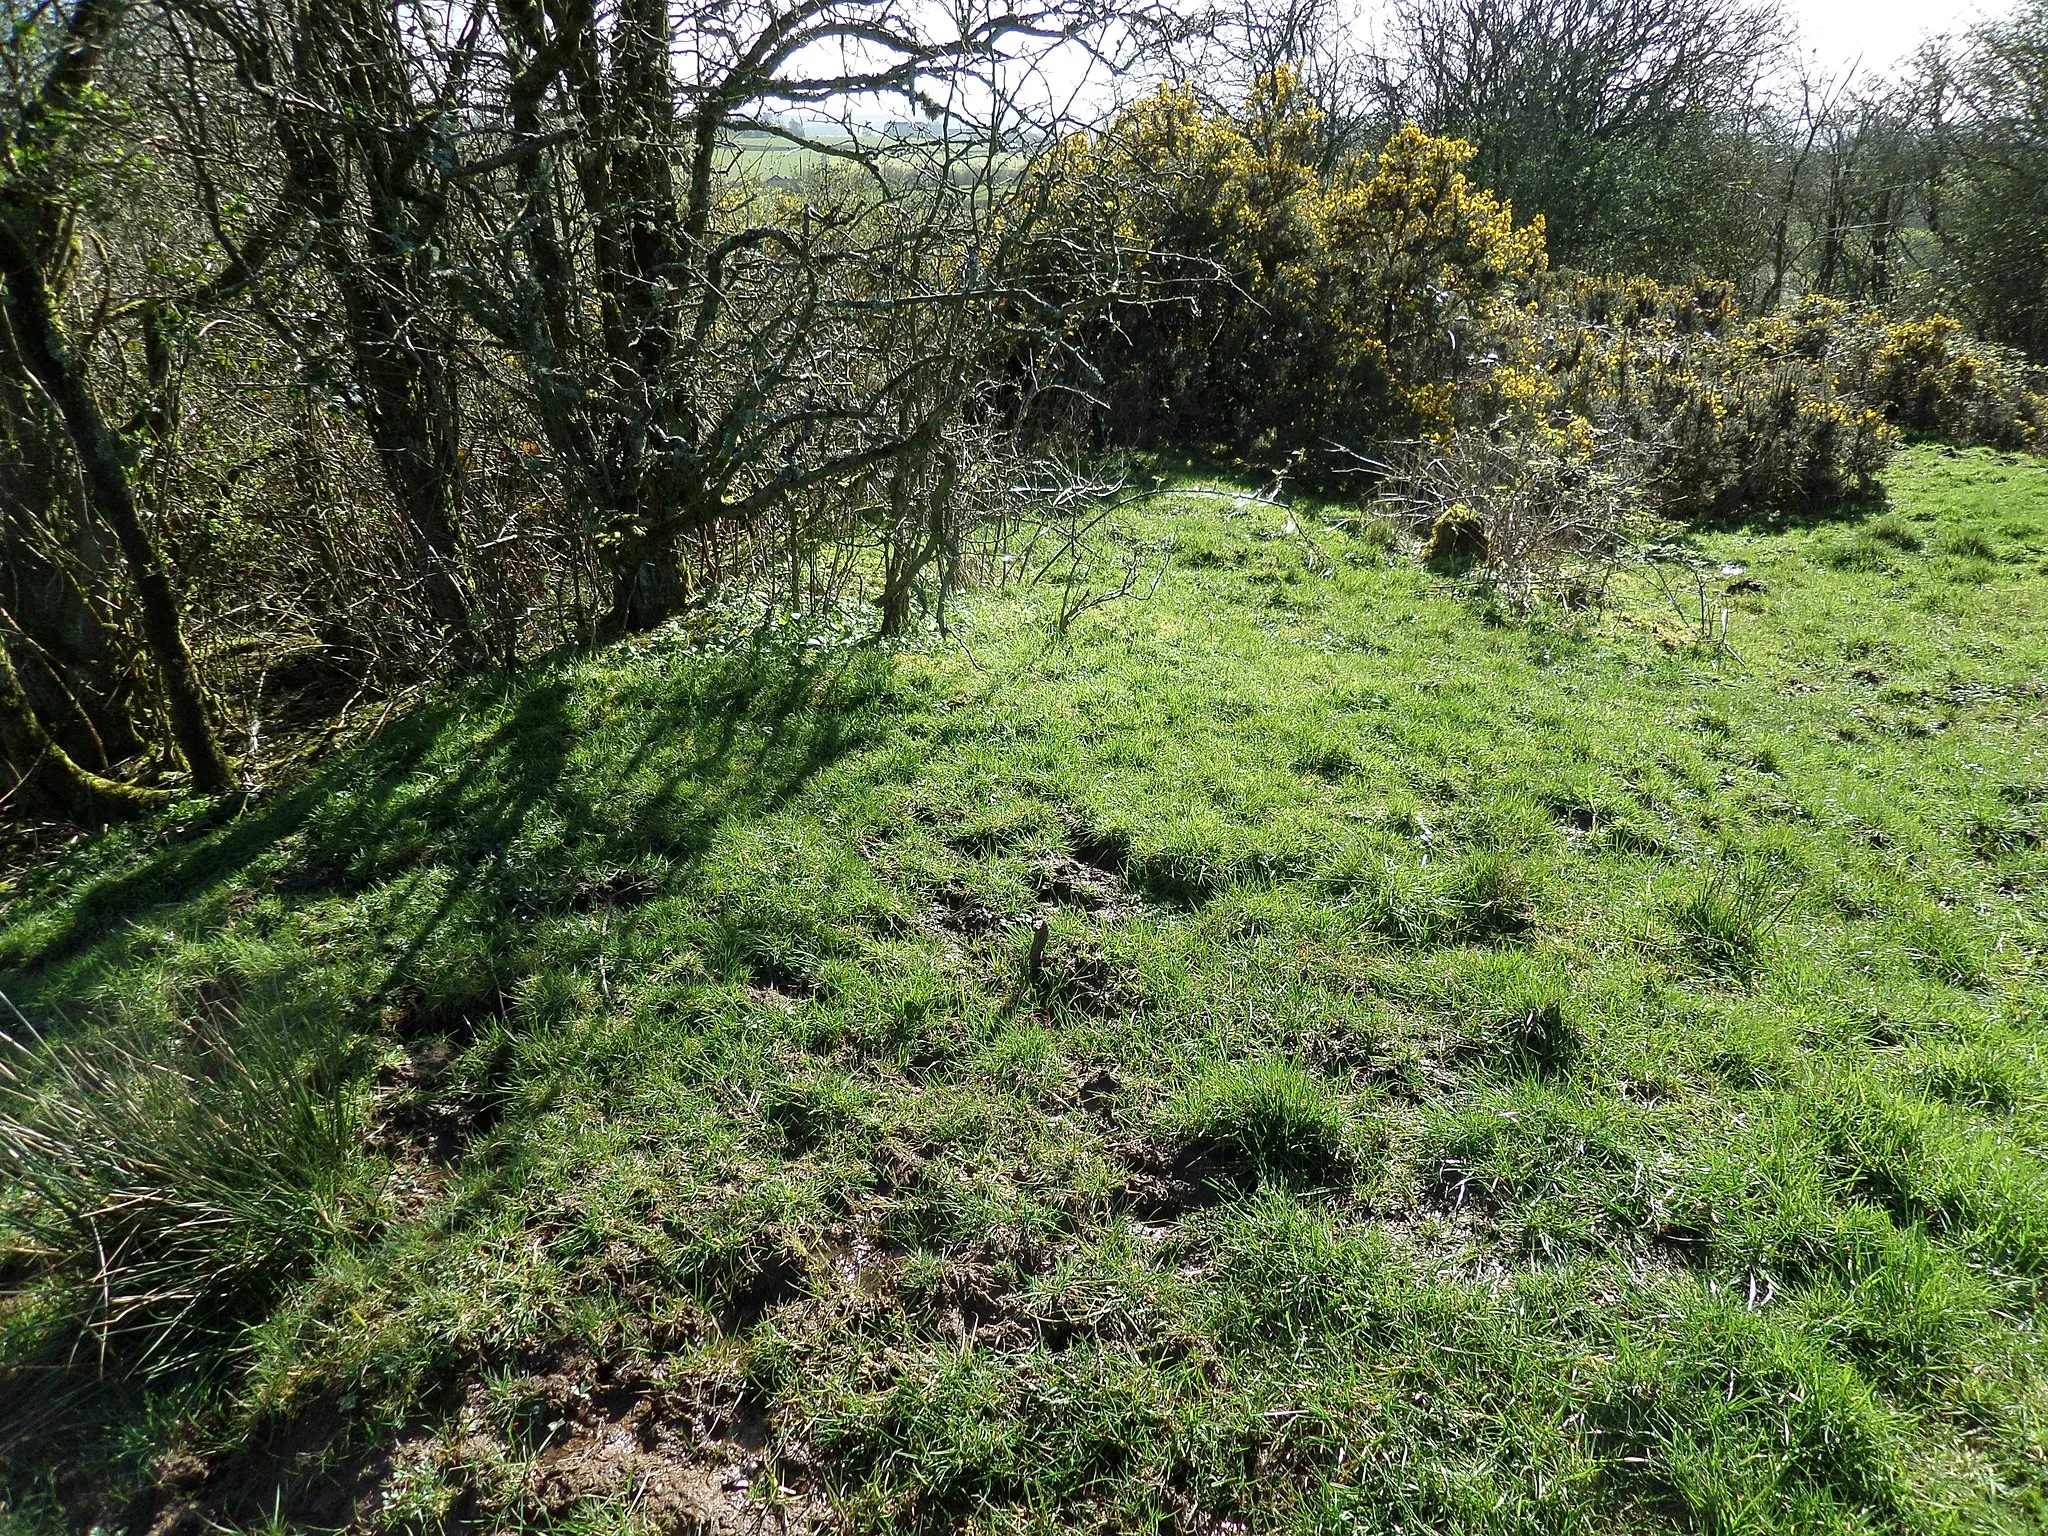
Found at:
[764, 159]
[1476, 1075]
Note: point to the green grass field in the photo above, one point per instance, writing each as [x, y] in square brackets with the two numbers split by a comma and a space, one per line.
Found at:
[1476, 1075]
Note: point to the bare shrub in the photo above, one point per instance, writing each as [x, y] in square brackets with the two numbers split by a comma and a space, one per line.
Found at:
[1071, 544]
[1540, 513]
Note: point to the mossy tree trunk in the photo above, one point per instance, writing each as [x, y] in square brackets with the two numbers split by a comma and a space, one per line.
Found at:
[79, 670]
[51, 780]
[105, 482]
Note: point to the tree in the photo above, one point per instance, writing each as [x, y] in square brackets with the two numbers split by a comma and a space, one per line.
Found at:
[1627, 123]
[1994, 224]
[49, 779]
[46, 145]
[701, 350]
[363, 103]
[1799, 142]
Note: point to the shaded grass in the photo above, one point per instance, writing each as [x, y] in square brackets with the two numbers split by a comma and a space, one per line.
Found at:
[1471, 1078]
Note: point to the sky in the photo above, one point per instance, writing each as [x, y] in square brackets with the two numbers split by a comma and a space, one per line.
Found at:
[1880, 31]
[1856, 38]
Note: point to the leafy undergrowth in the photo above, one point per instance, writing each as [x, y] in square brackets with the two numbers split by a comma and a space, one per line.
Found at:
[1539, 1076]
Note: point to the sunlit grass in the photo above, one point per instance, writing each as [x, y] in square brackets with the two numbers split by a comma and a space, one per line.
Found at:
[1558, 1075]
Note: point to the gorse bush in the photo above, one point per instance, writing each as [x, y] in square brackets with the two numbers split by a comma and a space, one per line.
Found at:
[1266, 306]
[1610, 394]
[1422, 265]
[1729, 416]
[164, 1196]
[1322, 319]
[1603, 400]
[1924, 375]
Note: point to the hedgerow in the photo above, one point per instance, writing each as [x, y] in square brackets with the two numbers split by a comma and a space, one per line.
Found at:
[1394, 315]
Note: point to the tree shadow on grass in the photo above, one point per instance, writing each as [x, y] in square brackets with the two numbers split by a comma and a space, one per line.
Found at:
[501, 794]
[1759, 521]
[685, 742]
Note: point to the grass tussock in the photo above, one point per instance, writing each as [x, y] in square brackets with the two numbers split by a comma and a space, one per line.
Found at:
[1732, 912]
[1271, 1119]
[167, 1192]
